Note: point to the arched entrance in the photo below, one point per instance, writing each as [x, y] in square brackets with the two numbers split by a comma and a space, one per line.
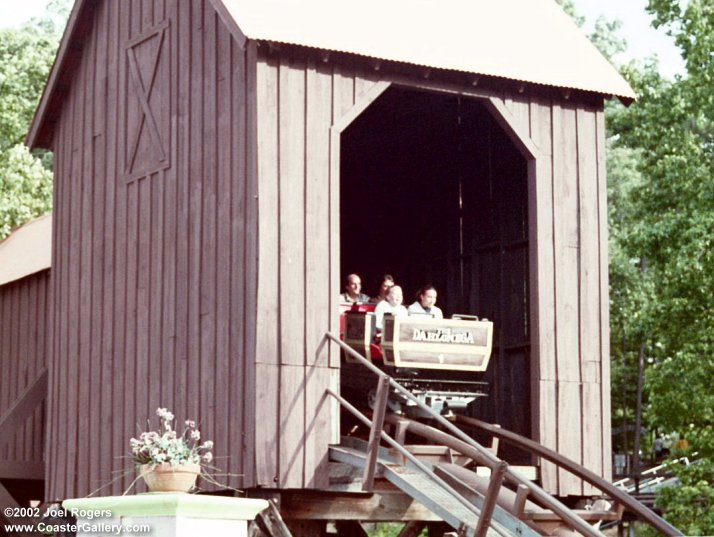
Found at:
[434, 191]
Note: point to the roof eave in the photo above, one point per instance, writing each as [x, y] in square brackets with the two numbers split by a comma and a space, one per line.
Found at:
[39, 133]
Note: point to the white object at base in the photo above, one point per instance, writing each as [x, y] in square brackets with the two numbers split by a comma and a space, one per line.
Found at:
[163, 515]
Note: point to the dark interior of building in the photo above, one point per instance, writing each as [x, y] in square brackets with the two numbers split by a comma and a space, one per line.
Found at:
[433, 191]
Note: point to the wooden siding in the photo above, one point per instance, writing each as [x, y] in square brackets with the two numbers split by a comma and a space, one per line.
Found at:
[298, 101]
[569, 313]
[154, 244]
[24, 318]
[196, 260]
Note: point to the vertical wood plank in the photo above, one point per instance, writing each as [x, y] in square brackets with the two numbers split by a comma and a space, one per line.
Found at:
[165, 339]
[520, 108]
[569, 433]
[590, 303]
[96, 250]
[343, 98]
[224, 116]
[540, 211]
[291, 233]
[268, 320]
[317, 150]
[592, 432]
[566, 246]
[542, 278]
[184, 110]
[566, 254]
[589, 249]
[75, 266]
[196, 194]
[317, 299]
[548, 393]
[604, 297]
[250, 274]
[118, 100]
[291, 426]
[208, 227]
[318, 420]
[291, 211]
[267, 436]
[241, 263]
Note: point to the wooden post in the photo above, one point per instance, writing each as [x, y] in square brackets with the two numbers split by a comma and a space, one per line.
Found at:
[271, 523]
[519, 504]
[497, 474]
[375, 433]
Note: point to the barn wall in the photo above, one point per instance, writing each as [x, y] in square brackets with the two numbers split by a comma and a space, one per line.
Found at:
[191, 276]
[23, 333]
[297, 102]
[299, 229]
[154, 260]
[570, 318]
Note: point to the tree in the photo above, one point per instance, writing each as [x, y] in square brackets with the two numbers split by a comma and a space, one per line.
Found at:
[661, 201]
[672, 228]
[26, 55]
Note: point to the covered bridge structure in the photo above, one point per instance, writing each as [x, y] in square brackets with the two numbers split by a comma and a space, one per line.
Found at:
[221, 164]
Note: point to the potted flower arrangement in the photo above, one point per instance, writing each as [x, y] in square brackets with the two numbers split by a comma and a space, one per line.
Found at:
[170, 462]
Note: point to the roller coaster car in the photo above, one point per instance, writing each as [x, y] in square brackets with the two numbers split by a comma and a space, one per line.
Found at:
[438, 360]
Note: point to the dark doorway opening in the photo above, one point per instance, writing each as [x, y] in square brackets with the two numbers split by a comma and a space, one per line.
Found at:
[433, 191]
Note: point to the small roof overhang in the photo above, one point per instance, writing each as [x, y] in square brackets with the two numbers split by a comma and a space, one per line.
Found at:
[27, 250]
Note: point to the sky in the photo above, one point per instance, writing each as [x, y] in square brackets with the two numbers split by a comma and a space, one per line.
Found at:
[13, 12]
[642, 39]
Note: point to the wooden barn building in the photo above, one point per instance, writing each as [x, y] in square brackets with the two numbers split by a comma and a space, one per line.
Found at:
[220, 165]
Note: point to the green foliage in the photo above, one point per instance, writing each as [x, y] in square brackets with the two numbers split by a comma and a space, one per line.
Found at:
[662, 266]
[26, 55]
[25, 188]
[690, 505]
[388, 530]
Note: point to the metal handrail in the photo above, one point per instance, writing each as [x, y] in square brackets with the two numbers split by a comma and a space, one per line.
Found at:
[405, 452]
[476, 451]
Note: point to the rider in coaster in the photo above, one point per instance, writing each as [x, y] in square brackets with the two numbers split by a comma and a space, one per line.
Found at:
[425, 303]
[386, 283]
[353, 288]
[391, 304]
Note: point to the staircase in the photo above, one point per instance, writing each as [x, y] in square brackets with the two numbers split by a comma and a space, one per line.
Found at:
[471, 504]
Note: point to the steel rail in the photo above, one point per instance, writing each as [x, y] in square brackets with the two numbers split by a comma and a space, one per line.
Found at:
[473, 449]
[555, 505]
[620, 496]
[490, 460]
[405, 452]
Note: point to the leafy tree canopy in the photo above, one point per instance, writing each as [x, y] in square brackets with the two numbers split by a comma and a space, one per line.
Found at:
[26, 55]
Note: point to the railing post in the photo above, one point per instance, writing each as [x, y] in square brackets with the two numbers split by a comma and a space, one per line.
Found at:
[498, 472]
[375, 433]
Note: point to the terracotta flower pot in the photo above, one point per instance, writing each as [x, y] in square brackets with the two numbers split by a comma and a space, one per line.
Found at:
[166, 478]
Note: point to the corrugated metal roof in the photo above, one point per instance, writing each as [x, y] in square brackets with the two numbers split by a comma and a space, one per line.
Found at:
[525, 40]
[26, 250]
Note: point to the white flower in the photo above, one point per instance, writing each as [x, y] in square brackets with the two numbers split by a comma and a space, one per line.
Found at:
[164, 414]
[165, 445]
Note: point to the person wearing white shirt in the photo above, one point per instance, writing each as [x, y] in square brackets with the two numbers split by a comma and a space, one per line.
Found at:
[425, 304]
[391, 304]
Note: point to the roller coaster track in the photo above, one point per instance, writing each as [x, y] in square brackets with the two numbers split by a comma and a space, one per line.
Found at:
[469, 504]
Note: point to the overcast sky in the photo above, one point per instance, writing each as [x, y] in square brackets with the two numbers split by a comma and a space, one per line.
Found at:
[643, 40]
